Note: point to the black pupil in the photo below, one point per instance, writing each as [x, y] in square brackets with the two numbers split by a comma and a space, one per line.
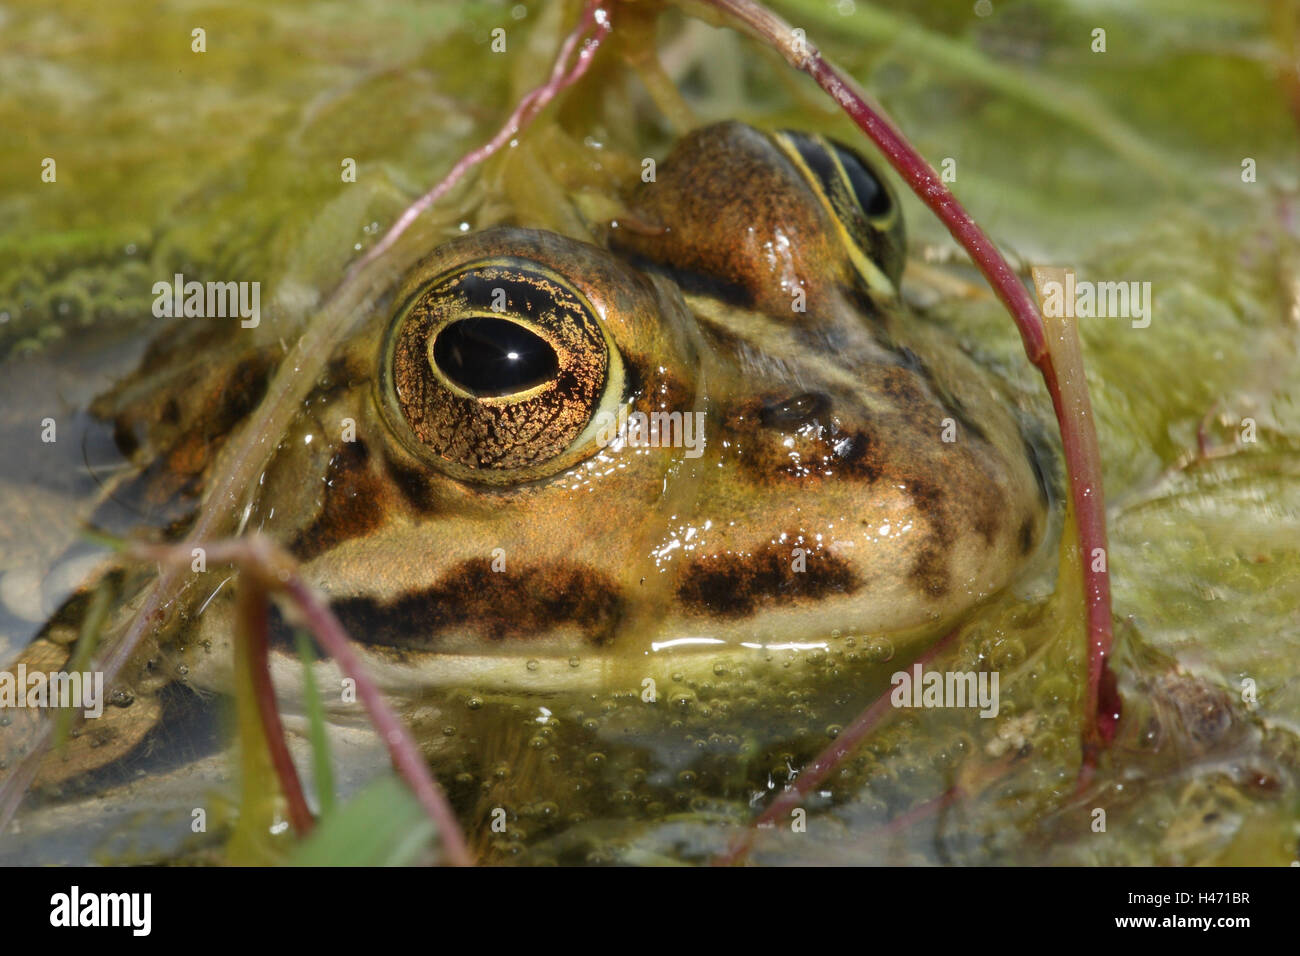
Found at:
[489, 357]
[871, 195]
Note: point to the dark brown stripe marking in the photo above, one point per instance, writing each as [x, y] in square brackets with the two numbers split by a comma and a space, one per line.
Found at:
[732, 585]
[1026, 535]
[513, 605]
[988, 515]
[353, 503]
[413, 483]
[930, 570]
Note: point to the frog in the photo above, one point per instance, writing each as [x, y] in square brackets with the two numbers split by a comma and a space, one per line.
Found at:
[548, 465]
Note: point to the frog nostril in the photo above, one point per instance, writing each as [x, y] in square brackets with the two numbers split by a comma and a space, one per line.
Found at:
[796, 410]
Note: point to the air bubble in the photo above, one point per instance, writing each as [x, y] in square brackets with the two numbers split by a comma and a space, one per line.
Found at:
[879, 650]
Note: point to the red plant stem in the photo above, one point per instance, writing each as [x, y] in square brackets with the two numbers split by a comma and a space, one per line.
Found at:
[1074, 411]
[152, 610]
[274, 570]
[253, 609]
[817, 771]
[271, 569]
[1078, 436]
[405, 753]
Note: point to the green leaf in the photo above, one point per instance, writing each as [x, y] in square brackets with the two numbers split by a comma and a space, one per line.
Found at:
[383, 825]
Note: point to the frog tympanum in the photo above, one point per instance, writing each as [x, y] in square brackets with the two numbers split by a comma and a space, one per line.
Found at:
[718, 433]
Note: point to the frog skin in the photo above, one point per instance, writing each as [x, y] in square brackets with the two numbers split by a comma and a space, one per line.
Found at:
[452, 488]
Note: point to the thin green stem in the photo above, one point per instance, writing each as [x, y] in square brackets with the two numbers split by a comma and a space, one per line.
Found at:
[322, 766]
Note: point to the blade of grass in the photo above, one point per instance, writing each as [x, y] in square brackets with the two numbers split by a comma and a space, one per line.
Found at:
[381, 826]
[322, 767]
[258, 836]
[275, 571]
[87, 640]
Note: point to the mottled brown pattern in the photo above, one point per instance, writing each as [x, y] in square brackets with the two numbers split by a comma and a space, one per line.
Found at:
[820, 449]
[987, 517]
[738, 585]
[901, 384]
[930, 570]
[187, 438]
[653, 389]
[353, 503]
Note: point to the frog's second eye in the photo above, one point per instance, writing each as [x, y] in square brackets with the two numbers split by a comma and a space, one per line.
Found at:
[494, 371]
[835, 166]
[861, 201]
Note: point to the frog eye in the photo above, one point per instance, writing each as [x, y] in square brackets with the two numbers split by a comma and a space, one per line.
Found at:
[862, 202]
[495, 370]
